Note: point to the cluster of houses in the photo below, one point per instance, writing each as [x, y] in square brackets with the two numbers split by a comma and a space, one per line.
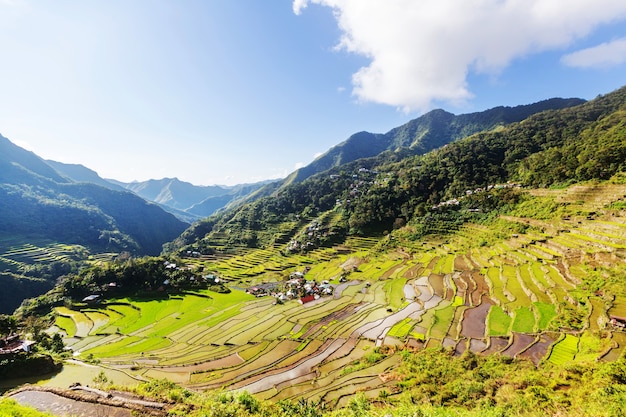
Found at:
[456, 201]
[360, 185]
[13, 344]
[297, 287]
[311, 235]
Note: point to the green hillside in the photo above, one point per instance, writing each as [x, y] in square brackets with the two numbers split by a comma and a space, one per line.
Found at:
[430, 131]
[490, 316]
[49, 224]
[375, 195]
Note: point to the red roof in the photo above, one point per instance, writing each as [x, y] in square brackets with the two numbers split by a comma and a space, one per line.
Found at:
[307, 299]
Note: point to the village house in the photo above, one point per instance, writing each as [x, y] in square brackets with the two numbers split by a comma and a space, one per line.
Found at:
[12, 344]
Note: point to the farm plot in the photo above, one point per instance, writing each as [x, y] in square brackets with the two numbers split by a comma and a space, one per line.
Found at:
[499, 297]
[524, 320]
[564, 350]
[499, 322]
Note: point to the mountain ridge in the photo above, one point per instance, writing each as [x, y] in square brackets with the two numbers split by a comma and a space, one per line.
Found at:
[380, 193]
[420, 135]
[84, 209]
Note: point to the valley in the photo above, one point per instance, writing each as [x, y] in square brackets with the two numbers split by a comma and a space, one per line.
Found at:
[483, 277]
[520, 286]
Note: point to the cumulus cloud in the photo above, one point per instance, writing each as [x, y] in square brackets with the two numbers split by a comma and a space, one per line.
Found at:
[422, 51]
[605, 55]
[299, 5]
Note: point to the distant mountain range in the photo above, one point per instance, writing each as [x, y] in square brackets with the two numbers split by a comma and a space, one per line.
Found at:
[189, 201]
[78, 195]
[186, 201]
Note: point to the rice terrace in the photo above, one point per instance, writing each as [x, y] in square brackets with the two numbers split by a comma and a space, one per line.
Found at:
[524, 284]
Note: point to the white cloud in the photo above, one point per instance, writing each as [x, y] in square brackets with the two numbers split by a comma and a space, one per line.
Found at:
[299, 5]
[422, 51]
[298, 165]
[605, 55]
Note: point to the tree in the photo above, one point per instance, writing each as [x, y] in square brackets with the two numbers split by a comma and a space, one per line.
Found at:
[8, 324]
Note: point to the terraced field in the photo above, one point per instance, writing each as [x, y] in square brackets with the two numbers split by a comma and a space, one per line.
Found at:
[14, 252]
[513, 296]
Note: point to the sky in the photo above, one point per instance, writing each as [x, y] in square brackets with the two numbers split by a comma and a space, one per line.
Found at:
[238, 91]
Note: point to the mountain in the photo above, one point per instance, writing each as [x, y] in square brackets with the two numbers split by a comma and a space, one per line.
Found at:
[37, 200]
[54, 216]
[376, 194]
[188, 201]
[80, 173]
[430, 131]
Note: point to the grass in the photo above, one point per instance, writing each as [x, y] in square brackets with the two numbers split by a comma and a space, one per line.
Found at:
[11, 408]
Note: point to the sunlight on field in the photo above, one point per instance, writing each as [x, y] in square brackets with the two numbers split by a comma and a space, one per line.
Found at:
[460, 293]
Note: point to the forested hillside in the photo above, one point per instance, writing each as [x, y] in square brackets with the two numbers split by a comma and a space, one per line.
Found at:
[47, 219]
[549, 148]
[418, 136]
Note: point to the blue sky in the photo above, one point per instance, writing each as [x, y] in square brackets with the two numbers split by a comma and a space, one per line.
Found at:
[234, 91]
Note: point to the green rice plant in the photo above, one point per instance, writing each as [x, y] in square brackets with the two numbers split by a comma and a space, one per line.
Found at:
[445, 264]
[425, 258]
[98, 319]
[66, 324]
[558, 279]
[524, 320]
[546, 312]
[127, 316]
[256, 349]
[497, 286]
[498, 321]
[395, 292]
[564, 350]
[527, 279]
[280, 331]
[255, 331]
[442, 319]
[514, 287]
[455, 327]
[302, 345]
[83, 324]
[402, 329]
[539, 274]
